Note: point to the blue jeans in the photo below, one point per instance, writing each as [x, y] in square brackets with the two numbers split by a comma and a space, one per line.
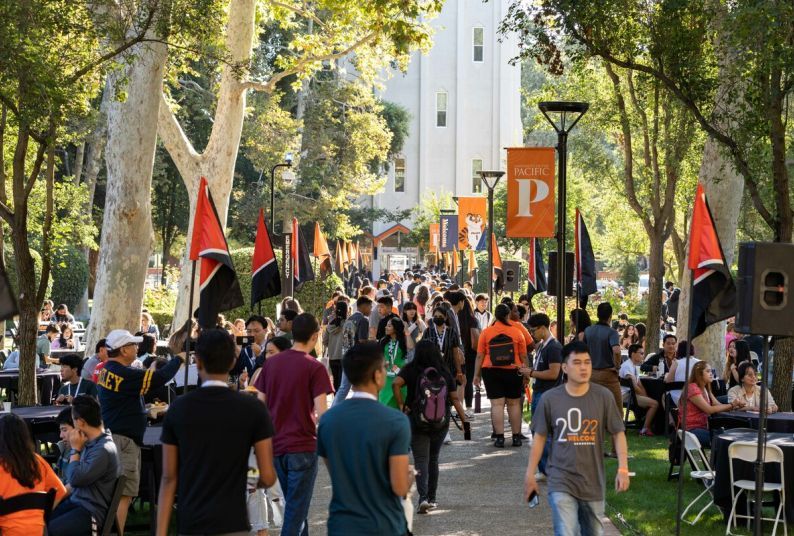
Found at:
[341, 393]
[426, 449]
[703, 435]
[574, 517]
[70, 519]
[296, 474]
[544, 458]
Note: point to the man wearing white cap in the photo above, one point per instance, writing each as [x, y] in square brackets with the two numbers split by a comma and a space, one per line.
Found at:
[121, 390]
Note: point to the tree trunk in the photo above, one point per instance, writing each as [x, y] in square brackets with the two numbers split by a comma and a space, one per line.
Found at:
[217, 161]
[781, 383]
[91, 167]
[127, 224]
[28, 314]
[655, 288]
[724, 188]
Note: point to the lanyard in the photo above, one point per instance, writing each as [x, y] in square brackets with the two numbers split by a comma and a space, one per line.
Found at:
[393, 345]
[440, 340]
[76, 391]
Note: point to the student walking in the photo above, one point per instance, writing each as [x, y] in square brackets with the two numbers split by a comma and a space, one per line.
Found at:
[576, 416]
[364, 444]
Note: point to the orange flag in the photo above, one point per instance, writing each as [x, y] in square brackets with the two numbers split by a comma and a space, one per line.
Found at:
[321, 251]
[455, 263]
[497, 265]
[472, 263]
[351, 253]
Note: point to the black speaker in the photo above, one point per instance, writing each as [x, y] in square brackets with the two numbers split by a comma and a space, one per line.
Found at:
[552, 266]
[764, 289]
[512, 272]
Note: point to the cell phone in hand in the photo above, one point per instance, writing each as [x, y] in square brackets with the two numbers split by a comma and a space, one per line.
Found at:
[534, 499]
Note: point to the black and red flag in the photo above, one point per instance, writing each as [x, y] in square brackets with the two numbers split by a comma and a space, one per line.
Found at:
[302, 270]
[266, 281]
[713, 290]
[218, 284]
[536, 269]
[585, 259]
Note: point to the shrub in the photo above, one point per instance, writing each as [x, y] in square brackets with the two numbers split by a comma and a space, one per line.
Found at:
[70, 276]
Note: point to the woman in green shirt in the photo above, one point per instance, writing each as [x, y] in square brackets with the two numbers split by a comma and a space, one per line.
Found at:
[395, 351]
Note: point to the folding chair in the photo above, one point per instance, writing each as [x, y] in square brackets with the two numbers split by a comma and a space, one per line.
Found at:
[702, 471]
[747, 451]
[35, 500]
[115, 499]
[631, 405]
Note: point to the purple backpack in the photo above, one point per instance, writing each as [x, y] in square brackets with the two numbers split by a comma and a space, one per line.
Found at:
[429, 408]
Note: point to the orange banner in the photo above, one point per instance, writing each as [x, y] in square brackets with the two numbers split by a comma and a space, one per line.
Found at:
[434, 237]
[471, 221]
[530, 192]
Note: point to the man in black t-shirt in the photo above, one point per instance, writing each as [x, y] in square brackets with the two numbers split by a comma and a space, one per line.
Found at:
[207, 437]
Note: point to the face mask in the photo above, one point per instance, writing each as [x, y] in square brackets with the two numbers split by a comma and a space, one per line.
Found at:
[438, 321]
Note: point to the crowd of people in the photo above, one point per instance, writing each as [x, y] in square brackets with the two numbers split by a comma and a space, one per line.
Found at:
[402, 358]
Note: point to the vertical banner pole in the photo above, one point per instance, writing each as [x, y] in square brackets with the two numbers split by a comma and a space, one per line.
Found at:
[190, 321]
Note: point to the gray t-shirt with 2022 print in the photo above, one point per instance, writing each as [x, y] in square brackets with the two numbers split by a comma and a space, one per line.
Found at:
[577, 426]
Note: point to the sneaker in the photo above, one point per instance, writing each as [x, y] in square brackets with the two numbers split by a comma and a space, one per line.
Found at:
[647, 433]
[424, 506]
[448, 439]
[499, 443]
[517, 441]
[523, 437]
[469, 415]
[540, 477]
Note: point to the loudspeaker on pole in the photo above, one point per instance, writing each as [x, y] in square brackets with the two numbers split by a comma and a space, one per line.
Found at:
[764, 289]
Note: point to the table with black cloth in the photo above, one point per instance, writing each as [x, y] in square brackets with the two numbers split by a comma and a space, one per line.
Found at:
[41, 421]
[151, 463]
[782, 421]
[48, 382]
[746, 471]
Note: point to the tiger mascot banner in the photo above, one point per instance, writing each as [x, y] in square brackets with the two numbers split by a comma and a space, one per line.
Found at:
[472, 214]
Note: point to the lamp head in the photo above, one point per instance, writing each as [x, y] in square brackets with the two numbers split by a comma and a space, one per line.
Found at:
[570, 112]
[491, 178]
[288, 159]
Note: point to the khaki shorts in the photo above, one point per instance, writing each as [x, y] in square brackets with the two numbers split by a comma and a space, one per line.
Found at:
[130, 459]
[608, 378]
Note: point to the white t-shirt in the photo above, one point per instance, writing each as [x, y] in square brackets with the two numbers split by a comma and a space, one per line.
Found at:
[628, 368]
[680, 375]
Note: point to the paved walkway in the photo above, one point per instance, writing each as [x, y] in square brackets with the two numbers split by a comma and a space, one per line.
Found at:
[479, 491]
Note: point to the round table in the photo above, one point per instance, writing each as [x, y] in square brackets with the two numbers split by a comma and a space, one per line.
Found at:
[745, 470]
[782, 421]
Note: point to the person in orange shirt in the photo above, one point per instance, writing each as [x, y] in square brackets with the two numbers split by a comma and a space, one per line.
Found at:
[23, 471]
[501, 351]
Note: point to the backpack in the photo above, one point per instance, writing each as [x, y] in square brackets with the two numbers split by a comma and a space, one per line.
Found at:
[429, 408]
[501, 351]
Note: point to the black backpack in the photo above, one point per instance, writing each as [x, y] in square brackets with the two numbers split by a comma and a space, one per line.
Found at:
[501, 351]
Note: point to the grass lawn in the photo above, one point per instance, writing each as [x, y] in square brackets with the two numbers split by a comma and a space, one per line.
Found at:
[649, 506]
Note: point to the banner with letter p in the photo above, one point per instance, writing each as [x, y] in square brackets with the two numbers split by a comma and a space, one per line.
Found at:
[530, 192]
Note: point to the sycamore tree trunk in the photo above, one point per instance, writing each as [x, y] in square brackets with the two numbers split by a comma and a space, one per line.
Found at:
[127, 224]
[217, 161]
[724, 188]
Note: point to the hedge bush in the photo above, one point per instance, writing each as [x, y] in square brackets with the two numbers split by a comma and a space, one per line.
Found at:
[69, 276]
[13, 277]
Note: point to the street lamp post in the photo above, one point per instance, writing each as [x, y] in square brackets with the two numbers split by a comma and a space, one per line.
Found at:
[569, 113]
[286, 164]
[491, 179]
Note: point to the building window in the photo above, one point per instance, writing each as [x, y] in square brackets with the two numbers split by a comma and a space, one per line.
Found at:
[476, 180]
[399, 174]
[477, 39]
[441, 109]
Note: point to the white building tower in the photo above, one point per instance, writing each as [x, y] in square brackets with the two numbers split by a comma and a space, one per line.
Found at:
[465, 108]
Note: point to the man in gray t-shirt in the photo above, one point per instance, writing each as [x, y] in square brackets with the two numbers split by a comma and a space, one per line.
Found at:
[577, 416]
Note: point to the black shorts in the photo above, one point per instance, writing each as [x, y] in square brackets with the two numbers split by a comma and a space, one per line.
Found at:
[502, 383]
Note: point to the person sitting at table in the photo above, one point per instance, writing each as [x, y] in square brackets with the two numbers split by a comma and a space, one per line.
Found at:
[631, 369]
[661, 361]
[62, 315]
[749, 392]
[677, 370]
[44, 346]
[147, 347]
[148, 325]
[22, 471]
[65, 426]
[92, 472]
[65, 340]
[702, 403]
[45, 316]
[73, 384]
[90, 365]
[738, 353]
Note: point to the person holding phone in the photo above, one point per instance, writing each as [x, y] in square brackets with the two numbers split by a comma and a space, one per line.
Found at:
[252, 349]
[576, 416]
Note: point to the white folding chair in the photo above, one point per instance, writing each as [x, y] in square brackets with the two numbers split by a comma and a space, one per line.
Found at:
[747, 451]
[702, 472]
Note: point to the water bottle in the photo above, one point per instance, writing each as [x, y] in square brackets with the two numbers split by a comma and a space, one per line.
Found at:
[467, 431]
[477, 402]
